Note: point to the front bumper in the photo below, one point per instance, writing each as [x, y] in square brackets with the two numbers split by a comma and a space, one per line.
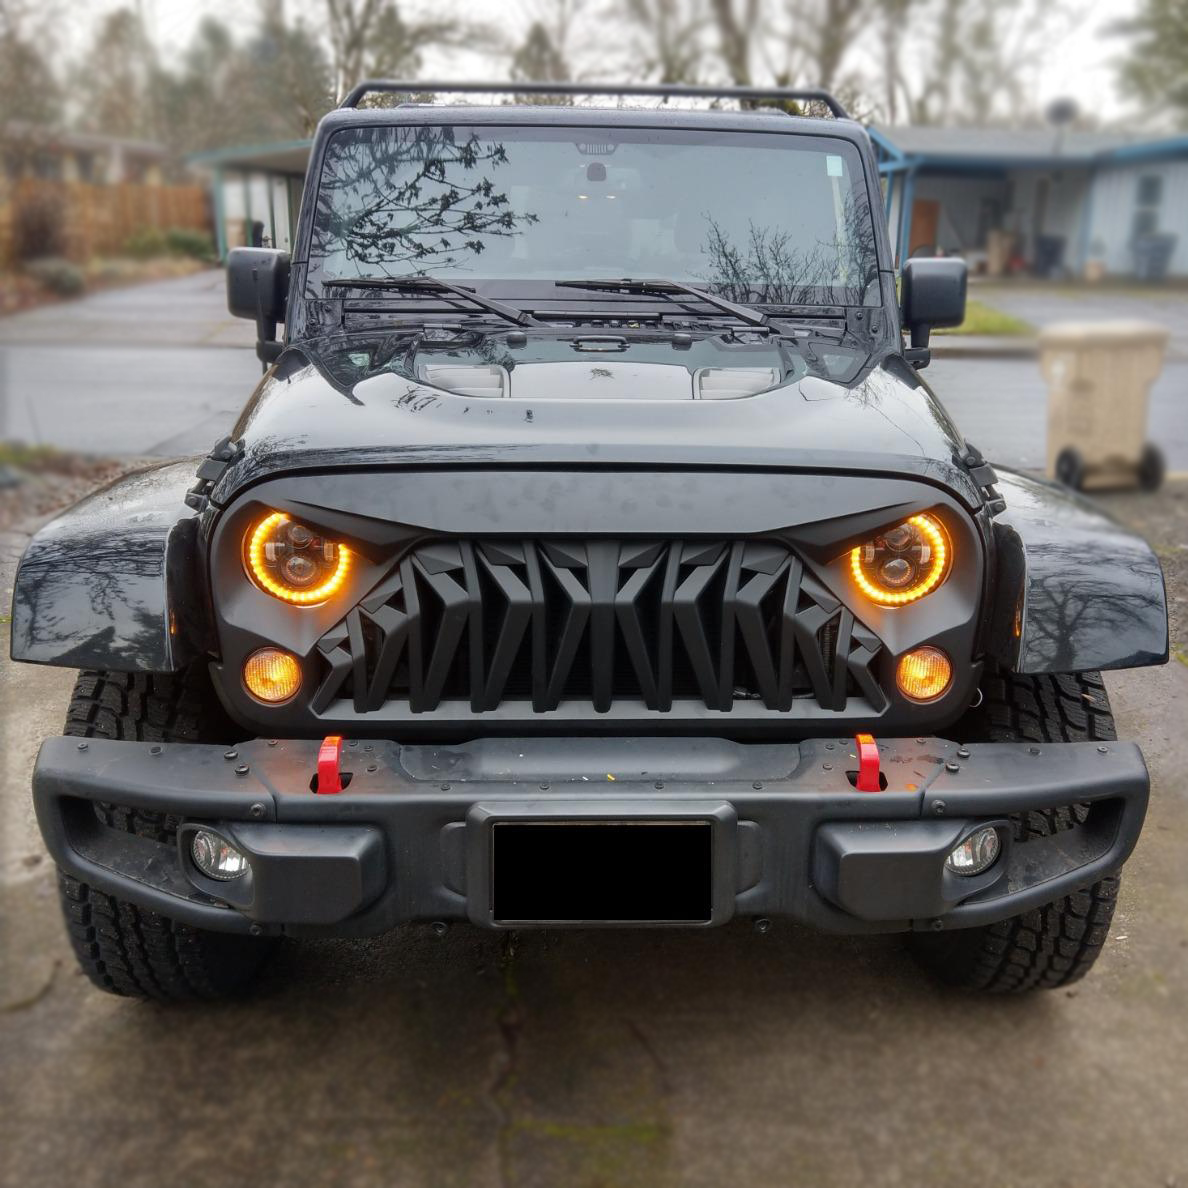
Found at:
[410, 837]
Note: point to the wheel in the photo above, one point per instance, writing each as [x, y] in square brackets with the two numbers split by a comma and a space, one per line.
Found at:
[1070, 468]
[1057, 944]
[1152, 468]
[122, 948]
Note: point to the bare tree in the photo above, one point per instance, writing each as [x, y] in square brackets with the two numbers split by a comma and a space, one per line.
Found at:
[667, 37]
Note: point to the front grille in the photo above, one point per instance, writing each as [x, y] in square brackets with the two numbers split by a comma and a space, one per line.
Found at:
[604, 622]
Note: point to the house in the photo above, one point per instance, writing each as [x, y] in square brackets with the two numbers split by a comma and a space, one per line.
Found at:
[29, 151]
[1046, 201]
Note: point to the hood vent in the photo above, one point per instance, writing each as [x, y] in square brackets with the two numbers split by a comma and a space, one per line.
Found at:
[466, 379]
[733, 383]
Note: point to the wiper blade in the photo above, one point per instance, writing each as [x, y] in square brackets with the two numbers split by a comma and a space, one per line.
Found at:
[669, 288]
[432, 284]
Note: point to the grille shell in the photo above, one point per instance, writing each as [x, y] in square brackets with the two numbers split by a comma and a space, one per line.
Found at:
[730, 624]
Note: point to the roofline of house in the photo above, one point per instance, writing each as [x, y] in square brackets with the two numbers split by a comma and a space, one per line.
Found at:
[897, 160]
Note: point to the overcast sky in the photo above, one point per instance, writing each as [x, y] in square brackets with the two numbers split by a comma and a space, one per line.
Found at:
[1078, 67]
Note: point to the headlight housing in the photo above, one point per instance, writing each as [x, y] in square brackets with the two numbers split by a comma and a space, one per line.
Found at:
[903, 563]
[294, 562]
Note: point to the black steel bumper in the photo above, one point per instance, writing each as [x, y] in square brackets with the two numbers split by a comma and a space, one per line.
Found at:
[412, 835]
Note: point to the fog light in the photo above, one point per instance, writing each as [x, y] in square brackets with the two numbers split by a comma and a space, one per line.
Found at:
[977, 853]
[924, 674]
[271, 675]
[216, 857]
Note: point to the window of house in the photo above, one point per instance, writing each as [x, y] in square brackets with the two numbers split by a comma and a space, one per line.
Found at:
[1147, 202]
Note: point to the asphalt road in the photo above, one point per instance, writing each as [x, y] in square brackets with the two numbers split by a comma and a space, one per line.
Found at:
[162, 370]
[592, 1060]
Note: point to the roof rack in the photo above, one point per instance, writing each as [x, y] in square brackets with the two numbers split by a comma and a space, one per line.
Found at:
[667, 90]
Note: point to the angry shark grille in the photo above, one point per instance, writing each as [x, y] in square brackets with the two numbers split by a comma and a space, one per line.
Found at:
[729, 624]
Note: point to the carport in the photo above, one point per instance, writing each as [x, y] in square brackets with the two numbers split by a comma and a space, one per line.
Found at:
[255, 192]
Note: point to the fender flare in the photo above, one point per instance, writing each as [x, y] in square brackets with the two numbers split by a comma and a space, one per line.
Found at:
[1076, 591]
[114, 583]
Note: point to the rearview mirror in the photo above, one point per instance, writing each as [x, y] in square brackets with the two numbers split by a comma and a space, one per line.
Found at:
[258, 288]
[932, 294]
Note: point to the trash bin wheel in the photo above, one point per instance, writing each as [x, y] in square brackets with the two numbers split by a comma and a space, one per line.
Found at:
[1152, 468]
[1070, 468]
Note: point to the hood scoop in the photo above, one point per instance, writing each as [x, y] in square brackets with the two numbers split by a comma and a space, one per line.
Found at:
[598, 379]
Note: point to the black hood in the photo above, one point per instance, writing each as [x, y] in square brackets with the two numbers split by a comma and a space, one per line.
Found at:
[307, 416]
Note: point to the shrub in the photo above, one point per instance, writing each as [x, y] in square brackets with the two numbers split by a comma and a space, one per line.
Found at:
[57, 275]
[181, 241]
[145, 244]
[38, 227]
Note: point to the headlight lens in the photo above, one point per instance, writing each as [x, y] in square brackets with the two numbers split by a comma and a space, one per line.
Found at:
[904, 563]
[293, 562]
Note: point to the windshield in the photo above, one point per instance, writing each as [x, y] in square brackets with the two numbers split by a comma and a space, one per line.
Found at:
[758, 217]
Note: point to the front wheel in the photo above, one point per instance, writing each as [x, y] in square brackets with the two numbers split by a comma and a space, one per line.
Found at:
[1057, 944]
[125, 949]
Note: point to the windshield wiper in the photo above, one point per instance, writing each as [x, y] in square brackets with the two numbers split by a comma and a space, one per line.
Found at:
[669, 288]
[432, 284]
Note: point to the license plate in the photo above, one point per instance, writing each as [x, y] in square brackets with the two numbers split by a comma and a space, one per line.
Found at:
[606, 872]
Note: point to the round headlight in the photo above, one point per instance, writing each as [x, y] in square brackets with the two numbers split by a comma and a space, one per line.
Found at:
[904, 563]
[294, 562]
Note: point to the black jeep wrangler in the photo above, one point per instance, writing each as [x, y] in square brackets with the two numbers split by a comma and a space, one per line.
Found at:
[591, 554]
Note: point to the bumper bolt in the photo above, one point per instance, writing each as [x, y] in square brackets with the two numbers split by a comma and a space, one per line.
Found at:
[445, 787]
[257, 810]
[962, 753]
[373, 767]
[827, 766]
[242, 769]
[938, 808]
[154, 750]
[82, 746]
[758, 786]
[937, 925]
[762, 925]
[440, 928]
[659, 785]
[256, 930]
[231, 755]
[951, 766]
[272, 742]
[1103, 750]
[1033, 750]
[544, 787]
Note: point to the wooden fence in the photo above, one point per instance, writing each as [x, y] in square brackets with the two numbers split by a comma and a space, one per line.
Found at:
[93, 220]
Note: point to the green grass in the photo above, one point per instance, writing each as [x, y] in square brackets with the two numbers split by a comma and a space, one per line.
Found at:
[983, 319]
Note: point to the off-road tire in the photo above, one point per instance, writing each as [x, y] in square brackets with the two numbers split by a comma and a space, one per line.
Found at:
[1057, 944]
[122, 948]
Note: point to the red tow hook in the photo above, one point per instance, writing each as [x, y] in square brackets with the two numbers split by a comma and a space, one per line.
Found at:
[868, 764]
[329, 762]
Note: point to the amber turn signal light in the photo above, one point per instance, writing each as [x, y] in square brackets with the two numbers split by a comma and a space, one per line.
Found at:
[271, 676]
[924, 674]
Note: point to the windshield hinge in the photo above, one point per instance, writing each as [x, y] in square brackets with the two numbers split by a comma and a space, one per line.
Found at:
[210, 470]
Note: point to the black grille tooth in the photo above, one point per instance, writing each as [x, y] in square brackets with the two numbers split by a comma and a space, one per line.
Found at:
[575, 614]
[630, 608]
[599, 622]
[693, 624]
[517, 614]
[603, 577]
[453, 607]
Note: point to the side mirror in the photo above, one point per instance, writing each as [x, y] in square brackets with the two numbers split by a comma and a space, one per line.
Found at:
[258, 288]
[931, 294]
